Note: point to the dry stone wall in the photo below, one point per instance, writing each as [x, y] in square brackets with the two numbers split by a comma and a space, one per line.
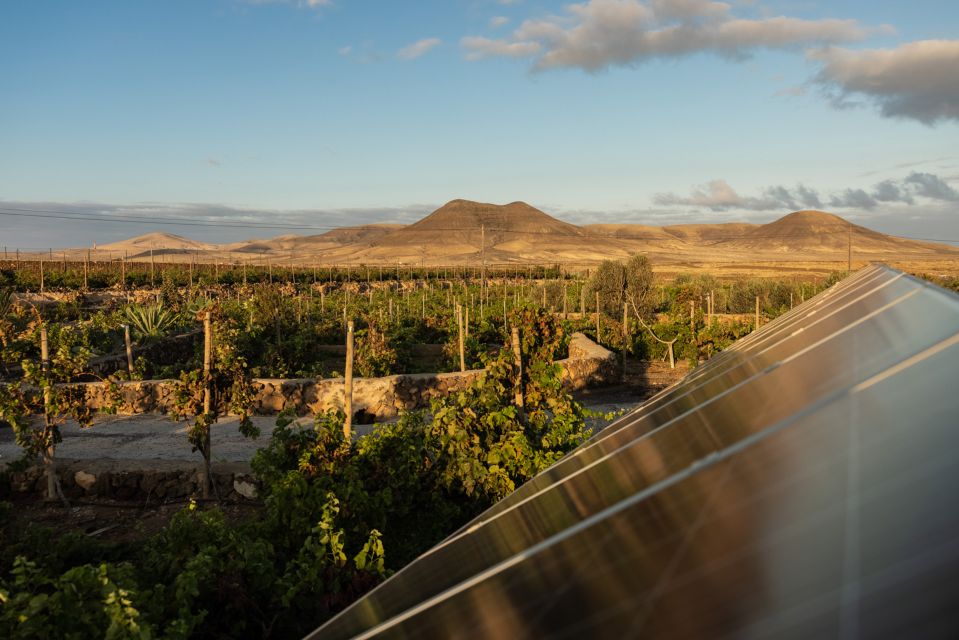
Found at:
[154, 481]
[588, 365]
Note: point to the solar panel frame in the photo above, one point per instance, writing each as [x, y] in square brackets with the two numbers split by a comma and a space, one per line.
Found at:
[626, 436]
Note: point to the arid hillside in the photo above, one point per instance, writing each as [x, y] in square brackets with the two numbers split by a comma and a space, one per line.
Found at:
[467, 232]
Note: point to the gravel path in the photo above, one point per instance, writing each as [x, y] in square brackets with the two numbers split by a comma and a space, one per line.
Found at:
[157, 437]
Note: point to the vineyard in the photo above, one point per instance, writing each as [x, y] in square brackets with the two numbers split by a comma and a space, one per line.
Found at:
[335, 513]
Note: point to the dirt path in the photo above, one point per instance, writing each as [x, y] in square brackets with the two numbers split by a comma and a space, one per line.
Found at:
[152, 437]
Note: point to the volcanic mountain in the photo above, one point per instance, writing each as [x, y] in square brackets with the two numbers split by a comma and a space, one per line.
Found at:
[467, 232]
[811, 231]
[159, 241]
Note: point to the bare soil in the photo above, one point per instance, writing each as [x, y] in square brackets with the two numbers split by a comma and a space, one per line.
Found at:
[112, 520]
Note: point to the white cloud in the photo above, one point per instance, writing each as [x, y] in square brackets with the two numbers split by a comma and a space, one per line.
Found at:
[308, 4]
[717, 195]
[418, 48]
[917, 80]
[498, 21]
[478, 48]
[597, 34]
[345, 51]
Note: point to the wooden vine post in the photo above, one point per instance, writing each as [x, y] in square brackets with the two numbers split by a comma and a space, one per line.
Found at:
[152, 267]
[518, 363]
[126, 339]
[207, 399]
[41, 275]
[462, 346]
[757, 313]
[348, 384]
[49, 452]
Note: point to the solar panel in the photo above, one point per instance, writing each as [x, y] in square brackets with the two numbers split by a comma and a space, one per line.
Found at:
[799, 484]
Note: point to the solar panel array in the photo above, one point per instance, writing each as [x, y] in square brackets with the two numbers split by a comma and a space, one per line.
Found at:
[802, 483]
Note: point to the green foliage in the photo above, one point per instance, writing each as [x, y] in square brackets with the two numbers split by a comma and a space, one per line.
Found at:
[84, 602]
[609, 281]
[230, 386]
[618, 282]
[486, 445]
[374, 356]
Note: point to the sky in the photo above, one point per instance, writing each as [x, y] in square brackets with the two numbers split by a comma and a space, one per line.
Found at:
[225, 120]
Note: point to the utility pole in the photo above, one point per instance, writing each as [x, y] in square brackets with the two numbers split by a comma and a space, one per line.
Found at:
[483, 259]
[849, 247]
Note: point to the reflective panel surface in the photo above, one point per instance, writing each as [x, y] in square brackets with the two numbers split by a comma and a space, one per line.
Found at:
[800, 484]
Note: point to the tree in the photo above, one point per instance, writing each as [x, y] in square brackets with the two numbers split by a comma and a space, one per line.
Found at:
[639, 284]
[609, 280]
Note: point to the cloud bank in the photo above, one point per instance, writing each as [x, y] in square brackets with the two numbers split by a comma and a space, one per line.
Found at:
[718, 195]
[597, 34]
[917, 80]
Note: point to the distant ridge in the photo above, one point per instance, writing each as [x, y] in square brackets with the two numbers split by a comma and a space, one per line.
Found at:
[466, 232]
[157, 240]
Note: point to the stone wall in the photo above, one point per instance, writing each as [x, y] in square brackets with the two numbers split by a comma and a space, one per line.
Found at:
[145, 481]
[588, 365]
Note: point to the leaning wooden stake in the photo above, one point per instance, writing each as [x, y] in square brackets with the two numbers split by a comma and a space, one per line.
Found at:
[348, 384]
[668, 343]
[126, 339]
[757, 312]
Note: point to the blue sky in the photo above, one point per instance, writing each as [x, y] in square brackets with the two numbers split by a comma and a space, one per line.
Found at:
[348, 111]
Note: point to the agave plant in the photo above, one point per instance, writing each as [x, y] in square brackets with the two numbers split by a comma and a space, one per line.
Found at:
[150, 321]
[196, 306]
[6, 302]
